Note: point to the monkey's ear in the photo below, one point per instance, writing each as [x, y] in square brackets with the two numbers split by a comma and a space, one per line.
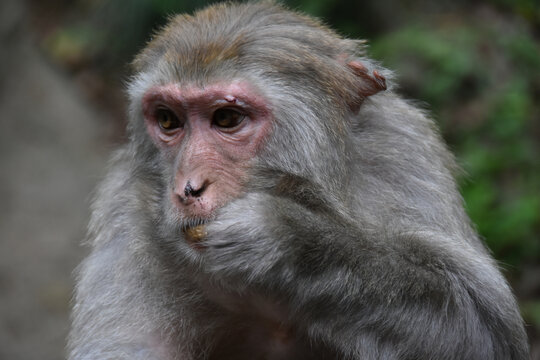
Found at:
[371, 84]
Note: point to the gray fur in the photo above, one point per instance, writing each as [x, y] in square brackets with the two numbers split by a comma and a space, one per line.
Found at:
[352, 229]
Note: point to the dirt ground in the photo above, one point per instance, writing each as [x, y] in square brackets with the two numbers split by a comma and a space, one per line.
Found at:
[53, 148]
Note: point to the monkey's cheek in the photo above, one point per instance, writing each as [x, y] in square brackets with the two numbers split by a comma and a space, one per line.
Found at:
[195, 235]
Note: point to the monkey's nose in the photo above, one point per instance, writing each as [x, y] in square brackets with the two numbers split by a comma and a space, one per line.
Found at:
[194, 190]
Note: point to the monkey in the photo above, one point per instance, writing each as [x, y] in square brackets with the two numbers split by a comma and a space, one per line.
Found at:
[278, 199]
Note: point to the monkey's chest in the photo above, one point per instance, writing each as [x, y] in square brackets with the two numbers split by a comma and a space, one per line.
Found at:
[255, 328]
[259, 338]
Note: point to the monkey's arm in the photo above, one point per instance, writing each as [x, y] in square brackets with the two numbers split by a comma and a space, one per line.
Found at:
[409, 295]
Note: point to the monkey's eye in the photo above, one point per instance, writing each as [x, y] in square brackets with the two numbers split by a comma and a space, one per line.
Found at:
[227, 118]
[167, 120]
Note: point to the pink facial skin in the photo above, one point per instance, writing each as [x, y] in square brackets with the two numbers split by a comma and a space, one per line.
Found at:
[211, 160]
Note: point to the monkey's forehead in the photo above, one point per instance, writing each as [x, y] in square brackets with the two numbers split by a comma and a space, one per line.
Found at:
[242, 35]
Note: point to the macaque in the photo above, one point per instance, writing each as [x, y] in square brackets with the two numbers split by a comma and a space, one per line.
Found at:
[278, 200]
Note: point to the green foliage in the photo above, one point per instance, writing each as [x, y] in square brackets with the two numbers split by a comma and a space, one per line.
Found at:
[531, 313]
[484, 84]
[432, 65]
[71, 44]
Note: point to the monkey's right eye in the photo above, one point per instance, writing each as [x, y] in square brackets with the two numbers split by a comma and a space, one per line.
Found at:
[167, 120]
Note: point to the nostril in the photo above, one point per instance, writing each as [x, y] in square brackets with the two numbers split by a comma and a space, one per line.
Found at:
[198, 192]
[190, 190]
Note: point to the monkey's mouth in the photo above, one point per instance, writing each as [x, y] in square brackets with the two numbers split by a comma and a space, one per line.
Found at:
[194, 230]
[194, 222]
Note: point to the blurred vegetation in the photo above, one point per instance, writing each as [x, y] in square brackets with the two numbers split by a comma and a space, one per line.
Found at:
[474, 64]
[485, 87]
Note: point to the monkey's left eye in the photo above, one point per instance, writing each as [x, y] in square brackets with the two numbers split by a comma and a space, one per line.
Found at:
[167, 120]
[227, 118]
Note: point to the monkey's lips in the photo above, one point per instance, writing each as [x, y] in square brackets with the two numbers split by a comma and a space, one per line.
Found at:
[195, 234]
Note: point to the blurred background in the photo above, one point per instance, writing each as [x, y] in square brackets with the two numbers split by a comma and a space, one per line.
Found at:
[63, 64]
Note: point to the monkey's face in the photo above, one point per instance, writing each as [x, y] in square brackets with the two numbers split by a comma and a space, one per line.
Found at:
[209, 136]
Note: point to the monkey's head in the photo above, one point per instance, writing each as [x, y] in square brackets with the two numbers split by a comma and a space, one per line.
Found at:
[237, 88]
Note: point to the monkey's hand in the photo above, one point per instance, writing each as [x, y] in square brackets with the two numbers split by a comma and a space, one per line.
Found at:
[338, 281]
[248, 237]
